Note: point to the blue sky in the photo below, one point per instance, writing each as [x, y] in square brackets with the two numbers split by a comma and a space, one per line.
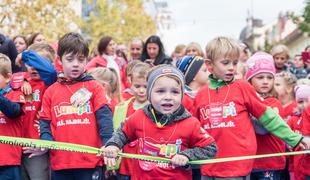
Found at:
[202, 20]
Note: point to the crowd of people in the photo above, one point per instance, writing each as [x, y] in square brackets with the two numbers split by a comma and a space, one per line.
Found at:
[223, 101]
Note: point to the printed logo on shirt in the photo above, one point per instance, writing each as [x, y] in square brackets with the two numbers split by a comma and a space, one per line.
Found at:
[168, 150]
[228, 109]
[163, 150]
[61, 110]
[36, 95]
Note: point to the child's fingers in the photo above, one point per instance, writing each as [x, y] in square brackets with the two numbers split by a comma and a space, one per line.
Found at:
[111, 162]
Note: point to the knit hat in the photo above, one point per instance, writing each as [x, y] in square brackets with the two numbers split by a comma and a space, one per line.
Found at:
[160, 71]
[258, 63]
[302, 92]
[189, 66]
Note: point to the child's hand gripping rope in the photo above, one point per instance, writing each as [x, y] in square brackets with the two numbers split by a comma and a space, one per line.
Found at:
[34, 151]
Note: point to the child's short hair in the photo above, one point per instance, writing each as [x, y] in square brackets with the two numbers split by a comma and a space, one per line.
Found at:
[5, 66]
[130, 65]
[109, 75]
[72, 43]
[179, 49]
[44, 50]
[280, 49]
[222, 47]
[140, 70]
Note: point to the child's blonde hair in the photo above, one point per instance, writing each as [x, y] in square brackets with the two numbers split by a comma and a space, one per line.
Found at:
[44, 50]
[222, 47]
[130, 65]
[140, 70]
[289, 79]
[195, 46]
[179, 49]
[280, 49]
[5, 66]
[110, 76]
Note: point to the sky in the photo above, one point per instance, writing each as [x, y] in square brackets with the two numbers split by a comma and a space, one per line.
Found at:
[202, 20]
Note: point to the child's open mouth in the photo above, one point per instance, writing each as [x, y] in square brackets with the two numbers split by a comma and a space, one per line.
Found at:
[167, 105]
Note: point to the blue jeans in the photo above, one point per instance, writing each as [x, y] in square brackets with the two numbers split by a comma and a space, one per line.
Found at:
[10, 173]
[307, 177]
[78, 174]
[266, 175]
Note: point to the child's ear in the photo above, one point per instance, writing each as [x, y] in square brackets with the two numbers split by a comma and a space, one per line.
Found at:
[8, 78]
[208, 63]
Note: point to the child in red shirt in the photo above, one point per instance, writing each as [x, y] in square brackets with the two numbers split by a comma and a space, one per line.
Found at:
[126, 109]
[260, 73]
[223, 109]
[10, 122]
[305, 130]
[284, 85]
[302, 94]
[163, 128]
[75, 110]
[41, 74]
[108, 78]
[196, 75]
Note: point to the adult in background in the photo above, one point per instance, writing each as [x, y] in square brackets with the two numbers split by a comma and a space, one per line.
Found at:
[136, 47]
[36, 37]
[107, 58]
[8, 48]
[154, 52]
[21, 45]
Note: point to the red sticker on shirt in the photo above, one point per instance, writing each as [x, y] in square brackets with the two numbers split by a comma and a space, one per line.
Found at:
[216, 113]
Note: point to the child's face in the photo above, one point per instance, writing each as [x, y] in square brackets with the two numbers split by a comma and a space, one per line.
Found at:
[138, 85]
[152, 50]
[166, 95]
[303, 103]
[280, 87]
[202, 75]
[4, 82]
[298, 63]
[263, 82]
[73, 65]
[192, 51]
[280, 60]
[224, 68]
[33, 73]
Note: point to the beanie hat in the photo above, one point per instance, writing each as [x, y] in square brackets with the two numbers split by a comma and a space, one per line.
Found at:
[160, 71]
[302, 92]
[258, 63]
[189, 66]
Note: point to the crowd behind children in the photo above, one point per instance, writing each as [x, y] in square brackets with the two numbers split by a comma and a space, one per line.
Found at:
[201, 103]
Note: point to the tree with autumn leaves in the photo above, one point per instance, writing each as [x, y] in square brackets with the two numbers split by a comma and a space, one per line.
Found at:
[121, 19]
